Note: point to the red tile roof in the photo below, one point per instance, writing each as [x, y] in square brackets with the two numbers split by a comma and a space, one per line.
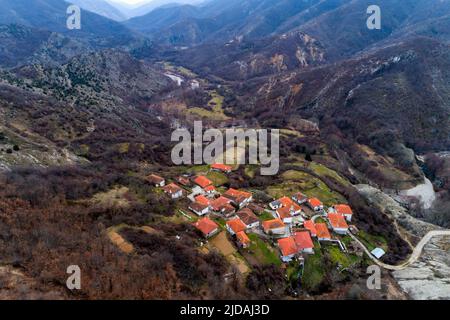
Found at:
[172, 188]
[247, 216]
[272, 224]
[237, 195]
[286, 201]
[309, 224]
[202, 199]
[287, 246]
[337, 220]
[202, 181]
[243, 238]
[209, 188]
[314, 202]
[236, 225]
[153, 178]
[303, 240]
[205, 225]
[218, 203]
[322, 231]
[287, 212]
[343, 209]
[221, 167]
[197, 206]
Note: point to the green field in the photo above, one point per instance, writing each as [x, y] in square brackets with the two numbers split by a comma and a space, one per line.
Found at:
[263, 252]
[314, 271]
[218, 178]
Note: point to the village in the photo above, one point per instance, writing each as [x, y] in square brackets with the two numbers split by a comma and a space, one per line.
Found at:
[287, 230]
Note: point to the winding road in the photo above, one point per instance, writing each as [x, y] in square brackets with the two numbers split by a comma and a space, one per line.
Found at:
[414, 256]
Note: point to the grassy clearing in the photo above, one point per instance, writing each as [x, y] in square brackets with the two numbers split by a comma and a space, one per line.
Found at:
[295, 181]
[372, 241]
[314, 271]
[216, 106]
[321, 170]
[340, 258]
[266, 216]
[218, 178]
[263, 252]
[114, 198]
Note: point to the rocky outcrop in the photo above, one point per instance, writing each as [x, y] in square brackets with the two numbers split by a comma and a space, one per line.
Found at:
[429, 277]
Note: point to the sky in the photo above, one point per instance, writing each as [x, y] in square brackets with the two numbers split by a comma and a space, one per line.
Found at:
[132, 2]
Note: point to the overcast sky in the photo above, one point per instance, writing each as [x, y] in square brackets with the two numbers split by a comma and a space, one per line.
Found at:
[132, 1]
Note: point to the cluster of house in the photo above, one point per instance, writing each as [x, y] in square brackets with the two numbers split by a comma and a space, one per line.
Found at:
[290, 224]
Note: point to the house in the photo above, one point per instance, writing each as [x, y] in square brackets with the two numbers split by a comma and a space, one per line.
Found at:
[199, 208]
[184, 181]
[288, 249]
[221, 167]
[343, 209]
[300, 198]
[248, 218]
[207, 227]
[315, 204]
[202, 181]
[286, 201]
[338, 223]
[322, 232]
[235, 226]
[310, 226]
[218, 203]
[287, 213]
[157, 181]
[174, 191]
[227, 210]
[243, 240]
[304, 242]
[275, 226]
[274, 205]
[378, 253]
[202, 199]
[240, 198]
[258, 210]
[210, 189]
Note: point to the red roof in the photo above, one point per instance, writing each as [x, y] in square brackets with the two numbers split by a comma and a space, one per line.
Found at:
[237, 194]
[337, 221]
[287, 246]
[202, 199]
[236, 225]
[243, 238]
[286, 201]
[218, 203]
[309, 224]
[209, 188]
[322, 231]
[221, 167]
[172, 188]
[153, 178]
[289, 211]
[206, 225]
[343, 209]
[272, 224]
[202, 181]
[314, 202]
[303, 240]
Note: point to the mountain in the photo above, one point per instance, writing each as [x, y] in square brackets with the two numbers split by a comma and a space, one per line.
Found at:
[152, 5]
[100, 7]
[51, 15]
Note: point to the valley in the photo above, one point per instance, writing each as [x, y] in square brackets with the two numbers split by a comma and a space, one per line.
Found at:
[86, 118]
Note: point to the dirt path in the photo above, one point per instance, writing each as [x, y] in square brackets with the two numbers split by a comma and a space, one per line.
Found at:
[414, 256]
